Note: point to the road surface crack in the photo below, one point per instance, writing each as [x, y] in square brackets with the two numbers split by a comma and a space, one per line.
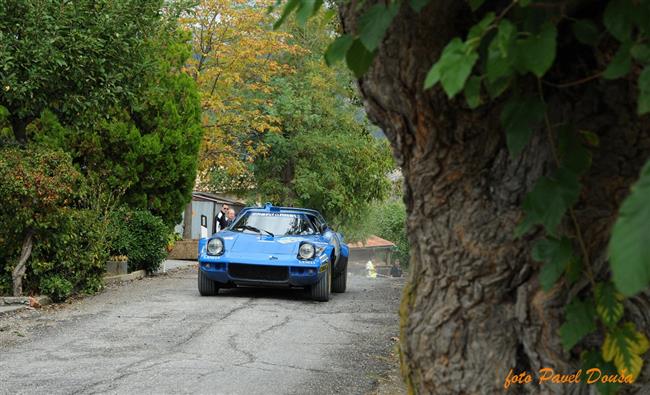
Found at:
[273, 327]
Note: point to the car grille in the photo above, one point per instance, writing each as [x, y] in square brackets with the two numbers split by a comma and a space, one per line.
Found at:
[258, 272]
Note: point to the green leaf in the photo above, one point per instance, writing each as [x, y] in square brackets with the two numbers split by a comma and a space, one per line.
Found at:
[536, 53]
[609, 304]
[620, 64]
[629, 246]
[453, 79]
[453, 68]
[518, 118]
[556, 255]
[525, 3]
[475, 4]
[579, 322]
[573, 154]
[619, 19]
[477, 31]
[337, 49]
[586, 32]
[593, 359]
[499, 51]
[549, 200]
[574, 270]
[641, 52]
[418, 5]
[643, 104]
[374, 23]
[359, 58]
[473, 92]
[624, 345]
[497, 87]
[288, 9]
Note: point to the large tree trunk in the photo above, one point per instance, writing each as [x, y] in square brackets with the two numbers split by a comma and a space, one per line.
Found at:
[19, 271]
[473, 308]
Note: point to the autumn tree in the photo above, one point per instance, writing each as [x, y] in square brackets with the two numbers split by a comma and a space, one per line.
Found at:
[236, 53]
[525, 234]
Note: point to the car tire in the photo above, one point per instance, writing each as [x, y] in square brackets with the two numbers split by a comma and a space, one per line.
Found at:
[207, 287]
[321, 290]
[340, 281]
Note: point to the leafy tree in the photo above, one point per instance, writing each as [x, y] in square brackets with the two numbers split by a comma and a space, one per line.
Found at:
[324, 156]
[387, 220]
[147, 149]
[103, 80]
[236, 53]
[73, 58]
[517, 185]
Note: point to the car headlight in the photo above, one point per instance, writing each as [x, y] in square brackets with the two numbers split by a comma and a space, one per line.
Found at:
[306, 251]
[215, 246]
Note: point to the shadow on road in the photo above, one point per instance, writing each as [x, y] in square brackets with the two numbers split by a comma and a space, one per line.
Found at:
[265, 293]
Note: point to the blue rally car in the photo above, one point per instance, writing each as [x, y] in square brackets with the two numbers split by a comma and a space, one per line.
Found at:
[277, 247]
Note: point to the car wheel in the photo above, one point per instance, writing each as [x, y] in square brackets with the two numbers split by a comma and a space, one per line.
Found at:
[340, 281]
[321, 290]
[207, 287]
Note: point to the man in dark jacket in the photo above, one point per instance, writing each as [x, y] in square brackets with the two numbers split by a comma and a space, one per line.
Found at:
[222, 217]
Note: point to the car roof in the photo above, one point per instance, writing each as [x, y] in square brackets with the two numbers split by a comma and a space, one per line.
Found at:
[268, 207]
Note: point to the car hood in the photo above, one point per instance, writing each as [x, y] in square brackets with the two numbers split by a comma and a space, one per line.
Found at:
[237, 242]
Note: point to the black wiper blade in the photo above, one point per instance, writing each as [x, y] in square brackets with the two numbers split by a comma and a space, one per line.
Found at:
[264, 230]
[252, 229]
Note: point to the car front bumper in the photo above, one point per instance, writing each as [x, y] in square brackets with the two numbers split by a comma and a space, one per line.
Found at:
[255, 269]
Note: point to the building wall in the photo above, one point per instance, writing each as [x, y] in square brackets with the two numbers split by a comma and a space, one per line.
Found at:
[206, 208]
[199, 209]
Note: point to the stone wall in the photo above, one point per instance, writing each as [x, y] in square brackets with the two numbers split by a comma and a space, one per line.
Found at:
[185, 250]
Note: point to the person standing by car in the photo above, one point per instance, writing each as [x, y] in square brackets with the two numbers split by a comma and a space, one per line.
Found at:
[231, 217]
[222, 217]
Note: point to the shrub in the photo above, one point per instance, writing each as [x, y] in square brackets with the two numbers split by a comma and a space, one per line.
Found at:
[57, 287]
[36, 186]
[388, 221]
[72, 258]
[139, 235]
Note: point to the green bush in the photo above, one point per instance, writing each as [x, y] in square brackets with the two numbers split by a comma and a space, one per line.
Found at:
[139, 235]
[118, 231]
[73, 256]
[41, 192]
[388, 221]
[57, 287]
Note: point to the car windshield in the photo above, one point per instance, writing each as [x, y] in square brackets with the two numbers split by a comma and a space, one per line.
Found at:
[278, 224]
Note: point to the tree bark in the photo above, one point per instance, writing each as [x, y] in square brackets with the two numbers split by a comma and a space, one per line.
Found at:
[187, 221]
[19, 271]
[473, 308]
[19, 127]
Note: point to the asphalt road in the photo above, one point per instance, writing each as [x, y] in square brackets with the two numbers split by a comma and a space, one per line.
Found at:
[158, 335]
